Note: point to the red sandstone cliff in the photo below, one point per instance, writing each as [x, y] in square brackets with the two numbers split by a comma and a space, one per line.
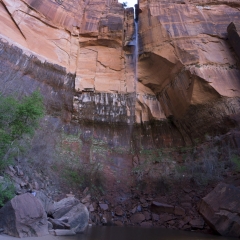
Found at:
[80, 55]
[185, 57]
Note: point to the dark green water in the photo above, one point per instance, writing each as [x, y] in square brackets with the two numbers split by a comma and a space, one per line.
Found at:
[132, 233]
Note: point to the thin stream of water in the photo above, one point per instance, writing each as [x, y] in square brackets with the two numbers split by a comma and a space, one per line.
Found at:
[135, 60]
[136, 57]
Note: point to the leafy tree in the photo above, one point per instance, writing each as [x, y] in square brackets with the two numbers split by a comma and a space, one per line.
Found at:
[17, 118]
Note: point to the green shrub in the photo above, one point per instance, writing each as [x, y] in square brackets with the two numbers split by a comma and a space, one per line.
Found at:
[7, 192]
[17, 118]
[181, 169]
[236, 162]
[85, 177]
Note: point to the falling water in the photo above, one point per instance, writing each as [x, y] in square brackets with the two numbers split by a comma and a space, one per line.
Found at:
[135, 61]
[136, 57]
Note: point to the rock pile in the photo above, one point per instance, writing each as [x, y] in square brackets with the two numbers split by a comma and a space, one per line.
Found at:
[147, 212]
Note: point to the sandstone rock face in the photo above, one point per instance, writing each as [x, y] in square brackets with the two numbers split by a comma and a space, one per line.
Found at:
[94, 41]
[221, 208]
[187, 62]
[80, 55]
[24, 216]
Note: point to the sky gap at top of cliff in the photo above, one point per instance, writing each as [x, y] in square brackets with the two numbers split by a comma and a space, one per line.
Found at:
[130, 3]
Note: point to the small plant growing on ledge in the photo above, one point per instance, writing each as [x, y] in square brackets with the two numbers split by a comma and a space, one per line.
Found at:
[235, 159]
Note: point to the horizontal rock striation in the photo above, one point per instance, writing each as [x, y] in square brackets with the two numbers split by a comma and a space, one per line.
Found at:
[80, 55]
[23, 73]
[186, 60]
[178, 54]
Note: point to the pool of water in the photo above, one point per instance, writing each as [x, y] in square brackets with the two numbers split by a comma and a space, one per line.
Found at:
[132, 233]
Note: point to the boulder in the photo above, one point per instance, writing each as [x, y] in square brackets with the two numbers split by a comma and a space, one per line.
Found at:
[118, 223]
[24, 216]
[146, 224]
[179, 211]
[87, 199]
[63, 232]
[197, 223]
[155, 217]
[59, 209]
[221, 210]
[91, 208]
[46, 201]
[50, 226]
[118, 211]
[103, 206]
[147, 215]
[59, 224]
[78, 218]
[157, 207]
[137, 218]
[165, 217]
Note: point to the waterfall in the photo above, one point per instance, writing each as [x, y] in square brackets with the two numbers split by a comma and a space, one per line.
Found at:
[136, 57]
[135, 62]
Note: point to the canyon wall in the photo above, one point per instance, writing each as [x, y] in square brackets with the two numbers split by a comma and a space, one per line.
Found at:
[187, 61]
[80, 55]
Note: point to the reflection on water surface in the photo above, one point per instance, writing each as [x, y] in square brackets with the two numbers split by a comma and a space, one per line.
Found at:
[132, 233]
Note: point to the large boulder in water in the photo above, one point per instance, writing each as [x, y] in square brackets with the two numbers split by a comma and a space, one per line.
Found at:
[24, 216]
[78, 218]
[58, 209]
[76, 213]
[221, 209]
